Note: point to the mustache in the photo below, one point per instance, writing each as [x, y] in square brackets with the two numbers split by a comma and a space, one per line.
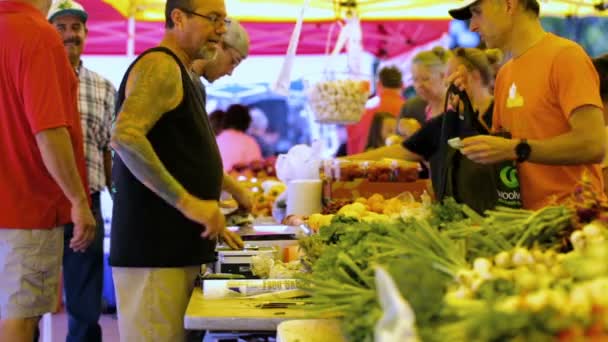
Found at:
[76, 41]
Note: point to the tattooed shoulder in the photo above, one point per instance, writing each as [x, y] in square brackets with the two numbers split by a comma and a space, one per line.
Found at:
[154, 87]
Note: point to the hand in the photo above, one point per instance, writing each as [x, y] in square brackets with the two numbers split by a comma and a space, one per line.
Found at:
[393, 139]
[207, 213]
[244, 198]
[85, 226]
[233, 240]
[407, 127]
[486, 149]
[460, 78]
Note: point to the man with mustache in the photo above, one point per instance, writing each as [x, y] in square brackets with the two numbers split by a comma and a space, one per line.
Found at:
[168, 177]
[547, 97]
[43, 177]
[83, 272]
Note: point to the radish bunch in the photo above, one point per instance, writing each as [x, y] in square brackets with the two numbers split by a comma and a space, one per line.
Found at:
[592, 233]
[527, 270]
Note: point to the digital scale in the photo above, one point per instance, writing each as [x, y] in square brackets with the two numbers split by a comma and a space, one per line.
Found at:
[258, 239]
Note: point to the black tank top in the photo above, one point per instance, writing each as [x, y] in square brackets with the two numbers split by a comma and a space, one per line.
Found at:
[146, 230]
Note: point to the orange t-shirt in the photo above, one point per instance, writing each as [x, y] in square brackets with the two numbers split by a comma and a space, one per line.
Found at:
[535, 95]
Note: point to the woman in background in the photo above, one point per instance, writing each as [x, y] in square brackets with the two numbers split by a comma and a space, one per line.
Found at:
[425, 145]
[428, 74]
[383, 126]
[236, 146]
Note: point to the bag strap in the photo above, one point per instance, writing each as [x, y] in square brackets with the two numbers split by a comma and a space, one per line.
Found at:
[448, 127]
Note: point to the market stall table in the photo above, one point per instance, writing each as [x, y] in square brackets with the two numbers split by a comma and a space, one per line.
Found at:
[236, 314]
[315, 330]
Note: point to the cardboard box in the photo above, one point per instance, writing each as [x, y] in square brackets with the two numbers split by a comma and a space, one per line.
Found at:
[352, 190]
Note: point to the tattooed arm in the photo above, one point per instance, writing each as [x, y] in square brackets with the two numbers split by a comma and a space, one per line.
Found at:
[154, 87]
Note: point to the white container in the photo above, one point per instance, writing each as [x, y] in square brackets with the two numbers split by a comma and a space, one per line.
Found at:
[304, 197]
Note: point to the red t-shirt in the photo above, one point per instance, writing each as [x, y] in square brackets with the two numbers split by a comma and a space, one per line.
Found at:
[390, 102]
[38, 91]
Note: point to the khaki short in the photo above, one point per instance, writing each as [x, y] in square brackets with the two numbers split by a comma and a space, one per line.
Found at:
[152, 302]
[30, 263]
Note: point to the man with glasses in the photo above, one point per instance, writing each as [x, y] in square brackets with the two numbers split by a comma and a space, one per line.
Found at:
[234, 48]
[554, 114]
[166, 215]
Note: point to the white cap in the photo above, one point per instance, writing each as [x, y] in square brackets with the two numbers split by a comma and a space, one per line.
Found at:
[62, 7]
[464, 11]
[237, 38]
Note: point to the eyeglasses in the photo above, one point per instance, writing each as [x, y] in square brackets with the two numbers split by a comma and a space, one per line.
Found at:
[213, 18]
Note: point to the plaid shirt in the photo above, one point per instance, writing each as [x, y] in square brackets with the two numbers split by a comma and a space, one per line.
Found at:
[96, 105]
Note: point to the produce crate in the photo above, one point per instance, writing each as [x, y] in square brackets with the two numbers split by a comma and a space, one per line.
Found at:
[339, 190]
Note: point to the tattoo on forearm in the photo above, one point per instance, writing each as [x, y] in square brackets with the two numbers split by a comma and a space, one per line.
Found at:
[139, 156]
[154, 88]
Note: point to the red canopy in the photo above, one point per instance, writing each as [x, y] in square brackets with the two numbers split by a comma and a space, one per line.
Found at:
[108, 34]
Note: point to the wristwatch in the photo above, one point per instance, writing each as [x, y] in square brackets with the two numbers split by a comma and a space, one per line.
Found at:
[523, 150]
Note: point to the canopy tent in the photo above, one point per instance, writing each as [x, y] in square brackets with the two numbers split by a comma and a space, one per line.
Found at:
[386, 32]
[390, 27]
[327, 10]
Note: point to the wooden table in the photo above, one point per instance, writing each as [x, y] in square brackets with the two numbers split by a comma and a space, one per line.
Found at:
[235, 314]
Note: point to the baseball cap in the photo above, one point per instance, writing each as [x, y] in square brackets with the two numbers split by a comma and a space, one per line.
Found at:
[237, 38]
[464, 11]
[63, 7]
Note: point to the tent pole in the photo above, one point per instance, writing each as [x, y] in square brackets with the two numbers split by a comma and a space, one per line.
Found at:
[131, 37]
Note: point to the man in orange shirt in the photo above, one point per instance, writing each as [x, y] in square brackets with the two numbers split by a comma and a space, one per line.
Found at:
[389, 87]
[601, 65]
[547, 97]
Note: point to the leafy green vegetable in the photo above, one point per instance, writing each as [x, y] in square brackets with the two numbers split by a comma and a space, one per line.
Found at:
[445, 212]
[421, 285]
[425, 256]
[494, 325]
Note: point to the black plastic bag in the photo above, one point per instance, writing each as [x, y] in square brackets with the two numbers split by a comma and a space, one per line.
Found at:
[479, 186]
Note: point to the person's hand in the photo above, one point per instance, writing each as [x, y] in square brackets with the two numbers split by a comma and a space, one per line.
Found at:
[232, 239]
[85, 226]
[205, 212]
[407, 127]
[244, 198]
[393, 139]
[486, 149]
[460, 78]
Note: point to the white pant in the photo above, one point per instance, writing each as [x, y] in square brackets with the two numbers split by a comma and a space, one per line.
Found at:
[152, 302]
